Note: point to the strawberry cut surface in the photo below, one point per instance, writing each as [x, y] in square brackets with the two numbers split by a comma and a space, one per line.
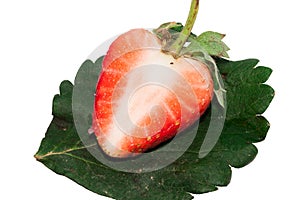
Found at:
[144, 96]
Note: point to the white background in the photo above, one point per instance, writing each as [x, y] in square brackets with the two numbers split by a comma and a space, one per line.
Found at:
[45, 42]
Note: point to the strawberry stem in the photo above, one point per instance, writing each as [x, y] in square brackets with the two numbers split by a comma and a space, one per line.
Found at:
[178, 44]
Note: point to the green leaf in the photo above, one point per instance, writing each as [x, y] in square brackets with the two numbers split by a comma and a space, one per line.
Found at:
[213, 44]
[244, 83]
[62, 104]
[63, 152]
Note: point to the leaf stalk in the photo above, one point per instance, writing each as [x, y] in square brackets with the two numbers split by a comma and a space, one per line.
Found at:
[178, 44]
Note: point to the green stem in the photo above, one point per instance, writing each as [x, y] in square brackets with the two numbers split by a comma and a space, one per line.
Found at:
[178, 44]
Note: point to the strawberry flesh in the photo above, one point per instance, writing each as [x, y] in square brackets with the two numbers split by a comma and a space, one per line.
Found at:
[144, 96]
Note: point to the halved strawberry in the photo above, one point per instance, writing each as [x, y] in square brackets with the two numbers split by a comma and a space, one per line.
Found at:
[144, 96]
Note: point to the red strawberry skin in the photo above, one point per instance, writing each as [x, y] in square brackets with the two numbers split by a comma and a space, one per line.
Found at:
[131, 117]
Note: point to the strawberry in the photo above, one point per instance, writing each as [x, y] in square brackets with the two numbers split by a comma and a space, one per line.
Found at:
[145, 96]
